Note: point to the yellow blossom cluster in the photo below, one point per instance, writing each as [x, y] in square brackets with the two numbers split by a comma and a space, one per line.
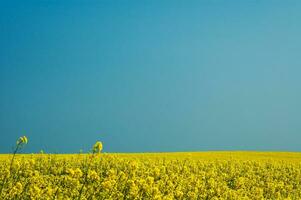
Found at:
[22, 140]
[97, 147]
[166, 176]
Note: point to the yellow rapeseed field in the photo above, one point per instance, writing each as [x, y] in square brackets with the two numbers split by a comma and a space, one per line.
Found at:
[199, 175]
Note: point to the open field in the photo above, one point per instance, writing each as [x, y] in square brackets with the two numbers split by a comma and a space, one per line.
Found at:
[199, 175]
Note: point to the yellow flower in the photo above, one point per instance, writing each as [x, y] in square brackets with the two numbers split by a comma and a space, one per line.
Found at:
[22, 140]
[93, 176]
[97, 147]
[78, 173]
[18, 186]
[70, 172]
[17, 189]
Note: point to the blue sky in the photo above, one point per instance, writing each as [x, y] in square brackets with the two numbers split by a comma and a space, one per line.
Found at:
[150, 75]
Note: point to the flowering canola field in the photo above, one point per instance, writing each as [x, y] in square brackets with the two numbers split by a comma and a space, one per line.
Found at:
[205, 175]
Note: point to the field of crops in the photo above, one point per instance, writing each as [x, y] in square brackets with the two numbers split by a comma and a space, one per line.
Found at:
[205, 175]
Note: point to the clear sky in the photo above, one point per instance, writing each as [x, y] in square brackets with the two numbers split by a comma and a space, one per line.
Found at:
[151, 75]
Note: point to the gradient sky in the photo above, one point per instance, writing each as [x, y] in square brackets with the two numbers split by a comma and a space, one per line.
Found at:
[151, 75]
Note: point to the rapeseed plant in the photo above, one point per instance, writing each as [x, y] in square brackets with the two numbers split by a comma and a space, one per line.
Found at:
[150, 176]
